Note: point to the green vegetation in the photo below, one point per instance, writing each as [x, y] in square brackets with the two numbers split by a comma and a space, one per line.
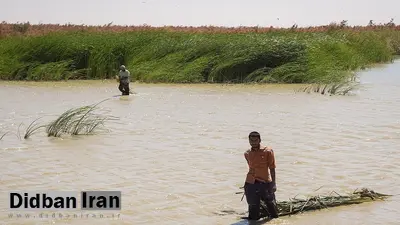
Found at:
[334, 88]
[32, 128]
[277, 56]
[76, 121]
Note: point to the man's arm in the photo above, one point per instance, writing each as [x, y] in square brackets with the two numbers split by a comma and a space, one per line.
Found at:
[245, 156]
[247, 160]
[272, 167]
[273, 175]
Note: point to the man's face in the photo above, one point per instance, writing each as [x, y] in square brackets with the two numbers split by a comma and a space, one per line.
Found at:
[254, 141]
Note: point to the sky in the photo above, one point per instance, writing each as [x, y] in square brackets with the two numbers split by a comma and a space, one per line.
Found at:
[232, 13]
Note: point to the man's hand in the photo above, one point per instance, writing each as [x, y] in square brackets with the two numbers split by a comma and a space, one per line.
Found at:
[273, 187]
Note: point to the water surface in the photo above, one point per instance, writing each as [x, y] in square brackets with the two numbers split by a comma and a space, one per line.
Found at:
[176, 152]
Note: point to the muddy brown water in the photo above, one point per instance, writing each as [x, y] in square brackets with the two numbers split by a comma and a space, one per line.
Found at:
[176, 151]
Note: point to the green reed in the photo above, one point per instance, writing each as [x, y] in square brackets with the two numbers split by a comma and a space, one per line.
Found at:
[76, 121]
[33, 128]
[184, 57]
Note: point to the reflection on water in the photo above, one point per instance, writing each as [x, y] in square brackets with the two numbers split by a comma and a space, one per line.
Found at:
[176, 152]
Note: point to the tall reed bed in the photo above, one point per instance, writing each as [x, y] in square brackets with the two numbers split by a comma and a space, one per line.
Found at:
[11, 29]
[162, 55]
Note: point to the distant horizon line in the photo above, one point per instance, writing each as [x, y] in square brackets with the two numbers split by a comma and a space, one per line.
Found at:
[370, 23]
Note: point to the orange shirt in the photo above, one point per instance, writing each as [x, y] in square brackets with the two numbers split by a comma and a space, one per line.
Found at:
[260, 161]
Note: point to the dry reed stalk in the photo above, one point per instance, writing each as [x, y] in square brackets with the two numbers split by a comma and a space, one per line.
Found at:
[8, 29]
[295, 206]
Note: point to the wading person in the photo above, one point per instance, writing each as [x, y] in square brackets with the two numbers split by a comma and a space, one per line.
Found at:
[260, 180]
[124, 79]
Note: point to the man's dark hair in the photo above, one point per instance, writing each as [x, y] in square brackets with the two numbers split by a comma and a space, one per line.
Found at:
[254, 134]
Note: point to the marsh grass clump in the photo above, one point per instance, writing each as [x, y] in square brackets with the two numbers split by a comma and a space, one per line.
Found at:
[76, 121]
[342, 86]
[337, 88]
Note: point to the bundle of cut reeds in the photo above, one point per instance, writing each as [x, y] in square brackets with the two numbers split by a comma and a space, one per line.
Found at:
[295, 205]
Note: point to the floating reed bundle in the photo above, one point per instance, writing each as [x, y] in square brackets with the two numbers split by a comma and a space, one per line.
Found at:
[295, 205]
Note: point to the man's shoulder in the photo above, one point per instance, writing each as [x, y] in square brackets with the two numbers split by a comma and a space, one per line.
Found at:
[268, 149]
[247, 151]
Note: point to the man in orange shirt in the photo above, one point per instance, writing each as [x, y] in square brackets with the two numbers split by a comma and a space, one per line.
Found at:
[260, 180]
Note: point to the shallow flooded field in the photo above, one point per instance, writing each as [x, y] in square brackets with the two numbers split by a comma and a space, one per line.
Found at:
[176, 151]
